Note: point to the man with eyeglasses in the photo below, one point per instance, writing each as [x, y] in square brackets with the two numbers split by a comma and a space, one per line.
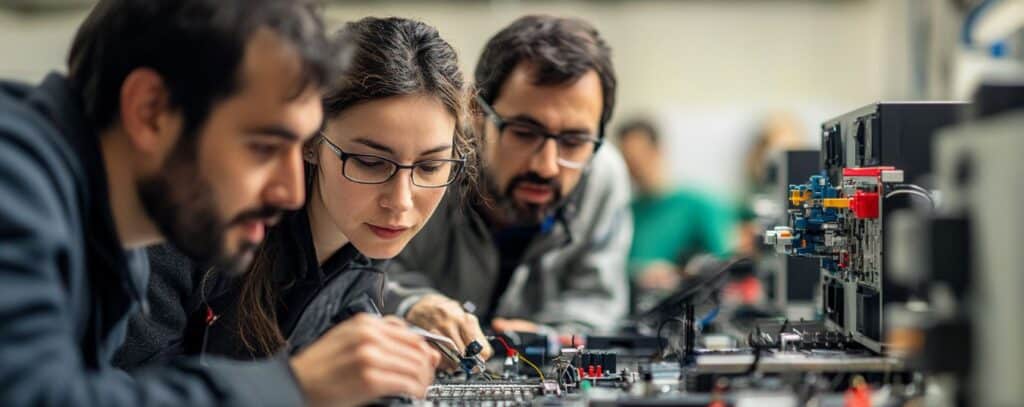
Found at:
[545, 247]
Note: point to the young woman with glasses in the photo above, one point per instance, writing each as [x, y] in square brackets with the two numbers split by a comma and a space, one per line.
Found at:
[394, 138]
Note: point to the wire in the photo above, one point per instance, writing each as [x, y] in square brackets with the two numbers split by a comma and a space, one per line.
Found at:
[709, 318]
[757, 350]
[911, 192]
[512, 336]
[561, 368]
[755, 363]
[528, 362]
[509, 351]
[569, 370]
[909, 188]
[912, 186]
[685, 294]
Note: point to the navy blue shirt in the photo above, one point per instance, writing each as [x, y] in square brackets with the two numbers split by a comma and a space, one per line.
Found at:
[67, 286]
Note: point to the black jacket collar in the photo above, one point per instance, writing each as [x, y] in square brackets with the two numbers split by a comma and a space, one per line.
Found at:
[297, 271]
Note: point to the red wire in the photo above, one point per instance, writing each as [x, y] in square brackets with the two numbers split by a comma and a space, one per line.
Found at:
[508, 349]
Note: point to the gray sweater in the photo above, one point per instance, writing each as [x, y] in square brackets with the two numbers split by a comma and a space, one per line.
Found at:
[573, 277]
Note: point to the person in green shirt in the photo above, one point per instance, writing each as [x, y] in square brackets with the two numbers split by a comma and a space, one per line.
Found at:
[671, 224]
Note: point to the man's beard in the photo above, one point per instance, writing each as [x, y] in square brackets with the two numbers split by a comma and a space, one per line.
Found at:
[515, 213]
[182, 204]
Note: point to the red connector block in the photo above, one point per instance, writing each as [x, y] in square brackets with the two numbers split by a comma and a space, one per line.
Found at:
[864, 205]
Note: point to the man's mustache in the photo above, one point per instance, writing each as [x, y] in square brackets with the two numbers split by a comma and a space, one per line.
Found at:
[533, 178]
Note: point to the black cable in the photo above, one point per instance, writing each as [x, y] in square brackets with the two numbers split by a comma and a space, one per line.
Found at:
[684, 296]
[690, 340]
[755, 363]
[757, 350]
[912, 186]
[911, 189]
[912, 192]
[721, 272]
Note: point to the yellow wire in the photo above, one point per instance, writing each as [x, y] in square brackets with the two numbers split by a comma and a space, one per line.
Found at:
[522, 358]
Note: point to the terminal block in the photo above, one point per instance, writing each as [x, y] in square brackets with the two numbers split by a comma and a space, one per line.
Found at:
[838, 224]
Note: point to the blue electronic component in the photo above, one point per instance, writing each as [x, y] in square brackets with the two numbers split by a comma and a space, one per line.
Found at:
[467, 365]
[808, 223]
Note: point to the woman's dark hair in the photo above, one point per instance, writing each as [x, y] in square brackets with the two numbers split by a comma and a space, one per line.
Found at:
[196, 46]
[386, 57]
[561, 49]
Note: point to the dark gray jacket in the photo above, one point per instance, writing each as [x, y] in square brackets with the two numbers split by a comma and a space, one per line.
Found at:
[194, 311]
[572, 276]
[67, 286]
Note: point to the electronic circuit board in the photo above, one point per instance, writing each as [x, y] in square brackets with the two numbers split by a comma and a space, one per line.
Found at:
[498, 393]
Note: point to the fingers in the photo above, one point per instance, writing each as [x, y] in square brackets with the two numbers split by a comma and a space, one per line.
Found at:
[487, 351]
[398, 330]
[395, 335]
[446, 317]
[453, 332]
[432, 354]
[410, 360]
[393, 350]
[515, 325]
[394, 359]
[365, 333]
[470, 331]
[394, 321]
[363, 358]
[500, 324]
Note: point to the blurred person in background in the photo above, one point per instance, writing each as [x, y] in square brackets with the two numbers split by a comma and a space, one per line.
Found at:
[545, 249]
[672, 225]
[776, 132]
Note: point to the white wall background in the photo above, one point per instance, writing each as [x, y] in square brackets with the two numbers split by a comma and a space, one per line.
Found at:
[706, 70]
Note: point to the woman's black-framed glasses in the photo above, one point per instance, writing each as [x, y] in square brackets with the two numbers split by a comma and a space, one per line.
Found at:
[574, 150]
[371, 169]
